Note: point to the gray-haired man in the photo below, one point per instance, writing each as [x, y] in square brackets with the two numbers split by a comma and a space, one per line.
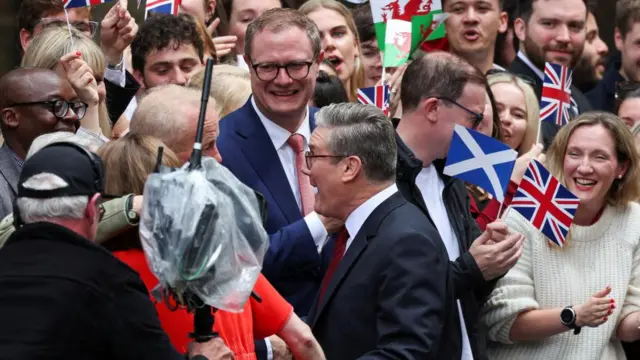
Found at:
[376, 297]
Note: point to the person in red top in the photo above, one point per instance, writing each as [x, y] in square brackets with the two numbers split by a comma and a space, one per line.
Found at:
[128, 161]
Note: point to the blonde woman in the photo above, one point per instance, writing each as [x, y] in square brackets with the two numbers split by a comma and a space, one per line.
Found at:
[579, 301]
[340, 41]
[46, 51]
[230, 87]
[518, 110]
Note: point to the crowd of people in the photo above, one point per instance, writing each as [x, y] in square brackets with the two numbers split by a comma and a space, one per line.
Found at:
[374, 252]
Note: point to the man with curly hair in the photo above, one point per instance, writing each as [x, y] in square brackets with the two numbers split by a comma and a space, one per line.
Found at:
[167, 50]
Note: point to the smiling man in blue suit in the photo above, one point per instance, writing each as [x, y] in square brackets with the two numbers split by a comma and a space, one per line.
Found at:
[263, 144]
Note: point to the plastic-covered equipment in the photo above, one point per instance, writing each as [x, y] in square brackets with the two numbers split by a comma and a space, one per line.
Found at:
[202, 233]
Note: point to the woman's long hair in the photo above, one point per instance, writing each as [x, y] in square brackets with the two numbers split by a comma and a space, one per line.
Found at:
[356, 80]
[53, 43]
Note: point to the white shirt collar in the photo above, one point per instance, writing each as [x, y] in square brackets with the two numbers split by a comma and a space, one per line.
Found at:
[280, 135]
[498, 67]
[535, 69]
[356, 219]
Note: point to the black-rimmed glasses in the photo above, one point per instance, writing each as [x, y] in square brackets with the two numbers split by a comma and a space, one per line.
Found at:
[477, 117]
[296, 70]
[308, 157]
[59, 108]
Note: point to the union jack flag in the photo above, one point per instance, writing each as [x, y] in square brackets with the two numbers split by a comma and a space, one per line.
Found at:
[376, 95]
[162, 6]
[68, 4]
[545, 203]
[555, 103]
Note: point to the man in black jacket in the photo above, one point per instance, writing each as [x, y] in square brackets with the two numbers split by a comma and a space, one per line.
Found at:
[550, 31]
[64, 297]
[439, 90]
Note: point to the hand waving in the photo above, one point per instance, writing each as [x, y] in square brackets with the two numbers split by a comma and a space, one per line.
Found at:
[117, 31]
[81, 78]
[223, 44]
[596, 311]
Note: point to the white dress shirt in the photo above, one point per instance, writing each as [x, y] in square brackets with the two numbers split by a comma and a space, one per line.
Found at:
[535, 69]
[356, 219]
[279, 137]
[431, 187]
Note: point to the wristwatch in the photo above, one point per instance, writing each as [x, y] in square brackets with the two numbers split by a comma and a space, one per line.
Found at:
[131, 214]
[568, 318]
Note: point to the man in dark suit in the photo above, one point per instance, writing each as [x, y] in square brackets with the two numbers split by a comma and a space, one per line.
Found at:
[22, 122]
[263, 144]
[378, 296]
[561, 42]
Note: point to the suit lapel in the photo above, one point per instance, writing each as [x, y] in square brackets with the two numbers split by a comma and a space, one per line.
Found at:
[8, 168]
[258, 148]
[366, 234]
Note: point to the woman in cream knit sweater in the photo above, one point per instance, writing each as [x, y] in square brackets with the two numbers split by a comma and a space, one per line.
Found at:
[596, 275]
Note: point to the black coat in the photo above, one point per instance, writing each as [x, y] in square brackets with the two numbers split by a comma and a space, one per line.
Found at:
[469, 284]
[64, 297]
[118, 98]
[548, 129]
[391, 297]
[603, 95]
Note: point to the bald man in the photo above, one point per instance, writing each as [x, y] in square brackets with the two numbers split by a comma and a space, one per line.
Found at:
[32, 103]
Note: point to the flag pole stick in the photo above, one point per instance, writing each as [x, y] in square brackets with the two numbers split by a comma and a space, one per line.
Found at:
[538, 135]
[66, 15]
[500, 210]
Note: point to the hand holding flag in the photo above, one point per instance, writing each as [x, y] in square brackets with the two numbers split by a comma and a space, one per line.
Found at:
[545, 203]
[480, 160]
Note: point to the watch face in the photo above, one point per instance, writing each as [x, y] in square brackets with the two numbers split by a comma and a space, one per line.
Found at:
[567, 316]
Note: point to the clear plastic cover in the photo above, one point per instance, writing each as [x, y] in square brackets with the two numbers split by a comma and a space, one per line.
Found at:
[202, 233]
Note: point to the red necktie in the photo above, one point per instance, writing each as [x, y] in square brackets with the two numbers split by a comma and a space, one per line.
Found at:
[338, 253]
[307, 198]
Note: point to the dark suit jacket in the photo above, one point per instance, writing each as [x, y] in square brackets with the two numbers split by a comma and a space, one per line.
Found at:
[9, 174]
[118, 98]
[392, 293]
[292, 263]
[548, 129]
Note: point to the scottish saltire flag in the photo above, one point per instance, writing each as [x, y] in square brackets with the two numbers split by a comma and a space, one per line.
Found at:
[377, 95]
[480, 160]
[555, 104]
[162, 6]
[68, 4]
[547, 204]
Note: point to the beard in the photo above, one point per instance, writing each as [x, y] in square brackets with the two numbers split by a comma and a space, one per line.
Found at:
[537, 54]
[585, 76]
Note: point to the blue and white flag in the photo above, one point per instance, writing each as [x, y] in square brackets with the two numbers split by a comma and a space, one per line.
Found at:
[162, 6]
[480, 160]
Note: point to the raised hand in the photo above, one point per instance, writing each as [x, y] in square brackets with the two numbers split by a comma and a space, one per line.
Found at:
[223, 44]
[81, 78]
[117, 31]
[596, 310]
[496, 250]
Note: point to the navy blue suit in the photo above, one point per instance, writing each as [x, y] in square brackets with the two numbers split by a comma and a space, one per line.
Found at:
[292, 264]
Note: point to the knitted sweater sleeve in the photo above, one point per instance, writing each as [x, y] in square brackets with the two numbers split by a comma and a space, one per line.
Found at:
[632, 299]
[514, 293]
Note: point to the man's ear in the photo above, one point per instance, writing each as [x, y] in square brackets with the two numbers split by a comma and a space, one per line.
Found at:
[351, 168]
[618, 39]
[9, 118]
[504, 22]
[139, 78]
[520, 29]
[430, 108]
[92, 210]
[25, 39]
[210, 10]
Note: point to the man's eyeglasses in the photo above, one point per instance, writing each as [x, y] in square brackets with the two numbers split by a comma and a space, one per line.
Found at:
[477, 117]
[296, 70]
[88, 27]
[308, 156]
[59, 108]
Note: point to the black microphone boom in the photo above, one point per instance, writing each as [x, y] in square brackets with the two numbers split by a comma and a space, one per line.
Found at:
[196, 155]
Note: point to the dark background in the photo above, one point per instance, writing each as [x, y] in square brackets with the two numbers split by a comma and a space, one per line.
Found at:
[10, 49]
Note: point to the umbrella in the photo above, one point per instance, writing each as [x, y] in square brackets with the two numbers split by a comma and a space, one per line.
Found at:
[202, 233]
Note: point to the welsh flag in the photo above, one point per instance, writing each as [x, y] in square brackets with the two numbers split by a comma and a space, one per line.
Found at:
[402, 26]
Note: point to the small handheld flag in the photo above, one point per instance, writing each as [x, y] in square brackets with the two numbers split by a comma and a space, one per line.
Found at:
[68, 4]
[545, 203]
[162, 6]
[377, 95]
[555, 102]
[480, 160]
